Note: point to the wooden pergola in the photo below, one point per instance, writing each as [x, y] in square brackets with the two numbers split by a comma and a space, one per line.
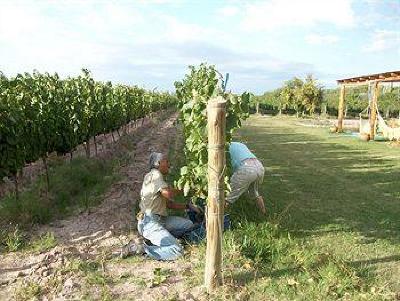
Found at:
[374, 79]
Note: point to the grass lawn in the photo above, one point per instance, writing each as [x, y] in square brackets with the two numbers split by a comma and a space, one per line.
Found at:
[333, 226]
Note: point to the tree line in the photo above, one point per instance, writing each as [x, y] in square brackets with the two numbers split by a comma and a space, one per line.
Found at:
[308, 97]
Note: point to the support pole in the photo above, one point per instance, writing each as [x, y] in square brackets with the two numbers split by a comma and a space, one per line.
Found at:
[372, 116]
[341, 109]
[216, 122]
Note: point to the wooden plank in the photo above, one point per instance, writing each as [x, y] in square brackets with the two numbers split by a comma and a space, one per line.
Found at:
[370, 77]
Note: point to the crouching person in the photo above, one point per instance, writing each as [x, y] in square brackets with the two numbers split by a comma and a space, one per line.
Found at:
[248, 174]
[154, 224]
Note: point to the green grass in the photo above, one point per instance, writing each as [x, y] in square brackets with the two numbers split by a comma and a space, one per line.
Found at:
[333, 227]
[13, 239]
[28, 291]
[44, 243]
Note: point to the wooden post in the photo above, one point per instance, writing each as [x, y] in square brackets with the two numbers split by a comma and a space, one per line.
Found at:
[95, 144]
[216, 123]
[16, 186]
[340, 109]
[44, 159]
[88, 147]
[372, 116]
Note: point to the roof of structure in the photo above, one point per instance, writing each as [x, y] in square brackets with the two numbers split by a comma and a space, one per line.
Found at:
[393, 76]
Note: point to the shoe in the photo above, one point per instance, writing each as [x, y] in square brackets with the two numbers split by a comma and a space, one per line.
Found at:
[134, 247]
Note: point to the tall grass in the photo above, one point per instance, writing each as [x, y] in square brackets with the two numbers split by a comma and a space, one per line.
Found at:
[76, 185]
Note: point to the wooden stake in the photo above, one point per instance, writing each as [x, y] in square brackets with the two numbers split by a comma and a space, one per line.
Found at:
[372, 116]
[88, 148]
[95, 144]
[46, 168]
[16, 186]
[325, 111]
[216, 112]
[340, 109]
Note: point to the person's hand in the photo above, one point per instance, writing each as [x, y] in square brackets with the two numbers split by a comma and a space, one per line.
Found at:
[260, 204]
[177, 191]
[193, 207]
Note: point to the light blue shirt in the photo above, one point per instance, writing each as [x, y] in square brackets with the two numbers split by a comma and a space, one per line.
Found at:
[239, 152]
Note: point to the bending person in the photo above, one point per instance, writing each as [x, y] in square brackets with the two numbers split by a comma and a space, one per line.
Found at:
[248, 174]
[154, 224]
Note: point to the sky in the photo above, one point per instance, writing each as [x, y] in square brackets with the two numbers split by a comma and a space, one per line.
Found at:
[151, 43]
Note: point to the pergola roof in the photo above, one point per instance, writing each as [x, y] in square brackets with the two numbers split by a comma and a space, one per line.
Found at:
[393, 76]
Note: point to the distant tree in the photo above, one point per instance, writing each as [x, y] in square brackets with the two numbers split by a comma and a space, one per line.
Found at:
[310, 95]
[291, 94]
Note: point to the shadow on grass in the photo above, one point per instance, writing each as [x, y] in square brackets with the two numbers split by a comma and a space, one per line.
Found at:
[362, 267]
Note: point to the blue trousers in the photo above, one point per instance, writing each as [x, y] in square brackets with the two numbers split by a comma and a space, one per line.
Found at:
[162, 232]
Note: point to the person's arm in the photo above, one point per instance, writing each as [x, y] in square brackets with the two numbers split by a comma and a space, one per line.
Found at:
[169, 193]
[175, 205]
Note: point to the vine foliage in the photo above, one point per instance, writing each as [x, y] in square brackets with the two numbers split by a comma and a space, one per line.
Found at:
[198, 86]
[41, 113]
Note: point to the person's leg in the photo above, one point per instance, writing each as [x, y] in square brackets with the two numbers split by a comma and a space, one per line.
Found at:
[254, 186]
[165, 246]
[177, 225]
[240, 181]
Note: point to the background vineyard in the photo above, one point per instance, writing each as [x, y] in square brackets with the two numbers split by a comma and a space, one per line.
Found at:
[42, 113]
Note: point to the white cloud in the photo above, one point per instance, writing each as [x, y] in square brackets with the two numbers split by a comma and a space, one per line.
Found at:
[228, 11]
[382, 40]
[65, 37]
[273, 14]
[158, 2]
[318, 39]
[16, 20]
[182, 32]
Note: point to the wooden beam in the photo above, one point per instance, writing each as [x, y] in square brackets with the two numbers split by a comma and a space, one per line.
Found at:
[365, 78]
[373, 107]
[340, 109]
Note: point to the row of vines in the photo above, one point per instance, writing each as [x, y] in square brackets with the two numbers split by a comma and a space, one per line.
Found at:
[42, 113]
[194, 91]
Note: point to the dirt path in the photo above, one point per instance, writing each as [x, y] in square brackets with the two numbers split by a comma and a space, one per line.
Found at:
[82, 265]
